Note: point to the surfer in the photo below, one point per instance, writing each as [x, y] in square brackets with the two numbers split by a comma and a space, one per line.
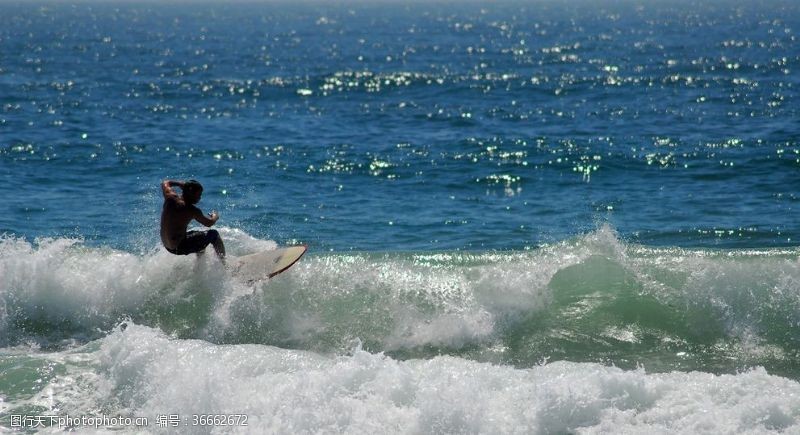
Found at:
[178, 211]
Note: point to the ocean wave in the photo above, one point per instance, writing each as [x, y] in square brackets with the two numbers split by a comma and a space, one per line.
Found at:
[140, 371]
[594, 298]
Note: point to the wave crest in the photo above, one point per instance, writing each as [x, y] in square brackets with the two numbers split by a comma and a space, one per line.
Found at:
[592, 298]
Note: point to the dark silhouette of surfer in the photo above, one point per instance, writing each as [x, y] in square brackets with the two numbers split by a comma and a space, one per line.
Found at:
[178, 211]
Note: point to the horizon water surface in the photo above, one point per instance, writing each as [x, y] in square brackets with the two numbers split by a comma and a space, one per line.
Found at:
[523, 217]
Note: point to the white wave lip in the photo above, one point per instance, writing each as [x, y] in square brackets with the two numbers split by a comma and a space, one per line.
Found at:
[284, 391]
[60, 280]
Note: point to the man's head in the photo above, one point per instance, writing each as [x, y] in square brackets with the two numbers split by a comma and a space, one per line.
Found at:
[192, 190]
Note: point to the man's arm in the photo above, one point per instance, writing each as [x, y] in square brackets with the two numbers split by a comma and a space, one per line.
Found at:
[167, 185]
[209, 220]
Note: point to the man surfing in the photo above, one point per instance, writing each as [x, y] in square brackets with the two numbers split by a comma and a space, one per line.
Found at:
[178, 211]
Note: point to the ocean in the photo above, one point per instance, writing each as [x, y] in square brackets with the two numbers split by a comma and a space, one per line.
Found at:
[530, 217]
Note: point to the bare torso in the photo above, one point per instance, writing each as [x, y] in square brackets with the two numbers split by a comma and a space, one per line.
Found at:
[175, 218]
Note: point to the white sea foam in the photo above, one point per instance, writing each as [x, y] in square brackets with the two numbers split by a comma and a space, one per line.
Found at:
[142, 372]
[64, 283]
[60, 280]
[393, 301]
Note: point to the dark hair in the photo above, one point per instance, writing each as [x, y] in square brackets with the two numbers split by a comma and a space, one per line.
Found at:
[192, 186]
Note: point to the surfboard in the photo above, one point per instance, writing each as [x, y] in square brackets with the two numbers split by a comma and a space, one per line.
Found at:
[266, 264]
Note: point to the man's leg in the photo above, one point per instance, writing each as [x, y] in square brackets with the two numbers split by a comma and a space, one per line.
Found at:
[216, 241]
[197, 241]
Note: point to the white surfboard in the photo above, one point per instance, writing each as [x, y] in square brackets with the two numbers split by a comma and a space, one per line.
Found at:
[266, 264]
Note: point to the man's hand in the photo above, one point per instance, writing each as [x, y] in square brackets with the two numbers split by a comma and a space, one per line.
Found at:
[209, 220]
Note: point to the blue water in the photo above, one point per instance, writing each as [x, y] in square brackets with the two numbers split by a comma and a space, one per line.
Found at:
[419, 127]
[523, 217]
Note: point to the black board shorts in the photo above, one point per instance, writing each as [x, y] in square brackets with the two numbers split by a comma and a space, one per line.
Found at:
[195, 241]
